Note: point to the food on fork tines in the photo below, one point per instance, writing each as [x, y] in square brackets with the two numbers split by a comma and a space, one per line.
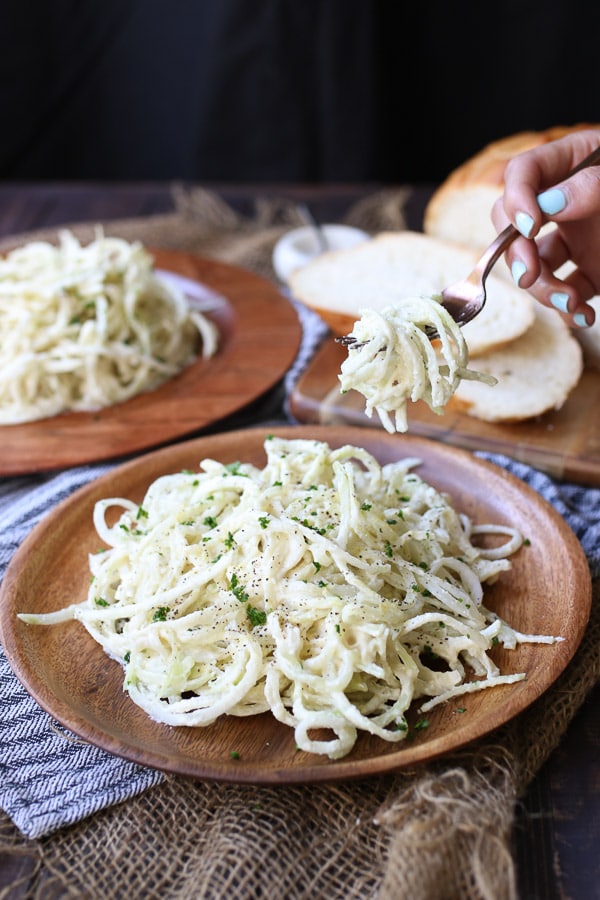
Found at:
[392, 361]
[325, 587]
[532, 360]
[84, 327]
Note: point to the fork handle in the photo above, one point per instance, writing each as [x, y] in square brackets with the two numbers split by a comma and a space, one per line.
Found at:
[510, 233]
[585, 163]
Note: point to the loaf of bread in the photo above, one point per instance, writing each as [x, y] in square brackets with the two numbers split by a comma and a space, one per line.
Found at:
[401, 264]
[460, 209]
[535, 373]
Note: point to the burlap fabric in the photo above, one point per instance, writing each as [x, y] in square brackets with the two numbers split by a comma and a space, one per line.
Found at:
[443, 830]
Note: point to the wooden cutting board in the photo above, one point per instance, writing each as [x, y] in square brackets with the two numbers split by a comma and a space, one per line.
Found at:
[565, 443]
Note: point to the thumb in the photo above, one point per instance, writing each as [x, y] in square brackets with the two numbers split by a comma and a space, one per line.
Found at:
[577, 197]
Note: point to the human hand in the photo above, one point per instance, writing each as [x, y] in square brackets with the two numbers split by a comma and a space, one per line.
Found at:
[536, 191]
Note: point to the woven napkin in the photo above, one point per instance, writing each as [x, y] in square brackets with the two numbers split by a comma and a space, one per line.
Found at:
[49, 777]
[443, 830]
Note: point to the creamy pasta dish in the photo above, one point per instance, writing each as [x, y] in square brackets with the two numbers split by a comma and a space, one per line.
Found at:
[84, 327]
[324, 587]
[392, 359]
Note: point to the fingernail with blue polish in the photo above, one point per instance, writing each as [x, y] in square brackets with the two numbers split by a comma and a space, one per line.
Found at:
[579, 319]
[524, 223]
[518, 269]
[552, 201]
[560, 301]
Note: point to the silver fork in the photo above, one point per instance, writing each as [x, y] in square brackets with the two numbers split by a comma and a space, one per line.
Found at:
[466, 298]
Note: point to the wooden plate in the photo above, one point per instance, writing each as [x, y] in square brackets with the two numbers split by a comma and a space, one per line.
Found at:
[547, 591]
[259, 338]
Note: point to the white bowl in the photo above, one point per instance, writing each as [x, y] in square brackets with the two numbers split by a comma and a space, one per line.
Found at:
[296, 248]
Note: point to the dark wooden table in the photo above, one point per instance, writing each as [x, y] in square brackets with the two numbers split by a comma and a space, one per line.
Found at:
[557, 835]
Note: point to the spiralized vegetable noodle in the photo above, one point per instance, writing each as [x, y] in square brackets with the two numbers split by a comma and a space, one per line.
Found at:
[393, 360]
[84, 327]
[323, 587]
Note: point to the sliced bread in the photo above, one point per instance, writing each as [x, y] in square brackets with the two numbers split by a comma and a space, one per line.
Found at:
[535, 374]
[393, 265]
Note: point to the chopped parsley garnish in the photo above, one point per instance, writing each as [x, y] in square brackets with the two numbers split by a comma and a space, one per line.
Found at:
[307, 524]
[237, 589]
[234, 469]
[256, 616]
[160, 614]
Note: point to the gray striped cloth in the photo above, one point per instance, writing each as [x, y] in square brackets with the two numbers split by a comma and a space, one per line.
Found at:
[49, 778]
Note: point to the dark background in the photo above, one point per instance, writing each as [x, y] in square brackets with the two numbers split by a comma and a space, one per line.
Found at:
[283, 90]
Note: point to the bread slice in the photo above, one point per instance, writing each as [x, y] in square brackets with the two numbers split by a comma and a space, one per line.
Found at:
[401, 264]
[460, 209]
[535, 373]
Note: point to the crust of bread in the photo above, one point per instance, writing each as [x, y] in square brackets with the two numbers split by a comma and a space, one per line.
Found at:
[393, 265]
[535, 373]
[459, 210]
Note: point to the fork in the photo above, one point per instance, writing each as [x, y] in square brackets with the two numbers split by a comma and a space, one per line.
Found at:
[465, 299]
